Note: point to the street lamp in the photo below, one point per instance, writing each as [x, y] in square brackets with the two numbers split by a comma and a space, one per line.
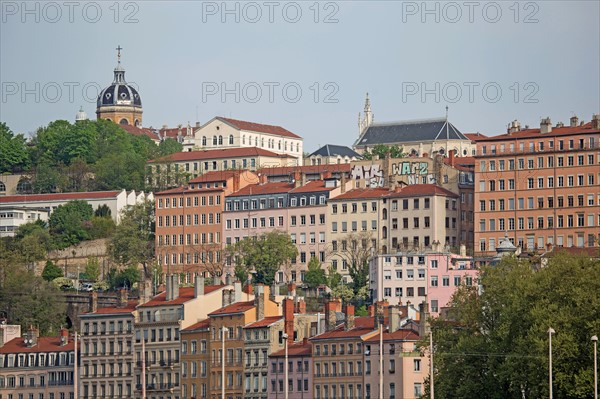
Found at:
[285, 383]
[225, 330]
[595, 341]
[431, 364]
[550, 332]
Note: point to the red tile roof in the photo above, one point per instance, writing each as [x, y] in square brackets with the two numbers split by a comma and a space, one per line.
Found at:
[592, 252]
[258, 127]
[201, 325]
[59, 196]
[45, 344]
[266, 188]
[362, 326]
[398, 335]
[312, 186]
[217, 176]
[173, 132]
[129, 308]
[185, 294]
[310, 169]
[475, 136]
[535, 133]
[218, 154]
[238, 307]
[415, 190]
[296, 349]
[140, 131]
[186, 189]
[265, 322]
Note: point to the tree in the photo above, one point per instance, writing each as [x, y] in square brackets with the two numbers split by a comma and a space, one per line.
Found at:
[51, 271]
[357, 252]
[381, 150]
[67, 223]
[92, 269]
[13, 151]
[265, 254]
[315, 275]
[169, 146]
[496, 345]
[133, 241]
[102, 227]
[125, 278]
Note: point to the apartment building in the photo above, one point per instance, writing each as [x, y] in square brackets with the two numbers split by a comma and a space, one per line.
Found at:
[309, 172]
[107, 352]
[298, 207]
[38, 367]
[158, 323]
[414, 277]
[222, 132]
[227, 351]
[300, 372]
[539, 185]
[188, 223]
[171, 170]
[195, 360]
[404, 218]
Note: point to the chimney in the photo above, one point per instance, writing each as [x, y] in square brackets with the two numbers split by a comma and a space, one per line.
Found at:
[199, 286]
[515, 126]
[451, 157]
[326, 175]
[545, 125]
[262, 178]
[288, 319]
[298, 177]
[300, 306]
[330, 319]
[169, 289]
[93, 302]
[380, 307]
[463, 250]
[249, 289]
[216, 280]
[64, 336]
[122, 298]
[175, 286]
[343, 183]
[574, 121]
[596, 121]
[228, 279]
[31, 338]
[394, 319]
[349, 321]
[259, 301]
[237, 292]
[291, 289]
[371, 310]
[423, 316]
[197, 124]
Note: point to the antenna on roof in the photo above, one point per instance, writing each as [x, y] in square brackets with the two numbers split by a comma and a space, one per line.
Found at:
[447, 132]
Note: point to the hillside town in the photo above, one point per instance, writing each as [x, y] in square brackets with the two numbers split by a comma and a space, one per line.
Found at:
[233, 264]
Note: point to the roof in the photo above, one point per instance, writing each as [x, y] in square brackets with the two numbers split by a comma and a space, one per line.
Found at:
[265, 322]
[258, 127]
[59, 196]
[398, 335]
[535, 133]
[129, 308]
[592, 252]
[174, 132]
[185, 294]
[475, 136]
[217, 154]
[216, 176]
[332, 150]
[201, 325]
[44, 344]
[295, 349]
[234, 308]
[312, 186]
[307, 169]
[140, 131]
[414, 190]
[409, 131]
[263, 189]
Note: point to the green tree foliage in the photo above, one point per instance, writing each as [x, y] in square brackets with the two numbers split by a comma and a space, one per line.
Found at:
[169, 146]
[102, 211]
[133, 241]
[265, 254]
[33, 241]
[68, 223]
[381, 150]
[102, 227]
[496, 346]
[92, 269]
[13, 151]
[334, 278]
[315, 275]
[359, 250]
[51, 271]
[125, 278]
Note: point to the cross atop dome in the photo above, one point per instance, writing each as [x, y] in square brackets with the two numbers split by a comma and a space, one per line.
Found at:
[119, 48]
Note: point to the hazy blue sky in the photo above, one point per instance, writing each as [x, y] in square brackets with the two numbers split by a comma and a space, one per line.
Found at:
[544, 56]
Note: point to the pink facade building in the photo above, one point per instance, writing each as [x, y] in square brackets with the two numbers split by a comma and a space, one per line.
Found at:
[300, 371]
[420, 276]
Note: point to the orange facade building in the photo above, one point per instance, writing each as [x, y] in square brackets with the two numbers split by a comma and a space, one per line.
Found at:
[540, 187]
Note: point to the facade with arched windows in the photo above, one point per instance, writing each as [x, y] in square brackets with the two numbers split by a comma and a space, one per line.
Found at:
[223, 133]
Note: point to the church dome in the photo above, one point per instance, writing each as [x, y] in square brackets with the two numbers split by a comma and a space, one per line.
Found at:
[81, 115]
[119, 92]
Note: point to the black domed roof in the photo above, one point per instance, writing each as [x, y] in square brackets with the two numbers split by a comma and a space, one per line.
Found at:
[119, 92]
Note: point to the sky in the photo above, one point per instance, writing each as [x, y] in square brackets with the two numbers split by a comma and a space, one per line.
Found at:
[305, 65]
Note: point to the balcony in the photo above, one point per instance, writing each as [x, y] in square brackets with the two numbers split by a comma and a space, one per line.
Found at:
[156, 387]
[60, 383]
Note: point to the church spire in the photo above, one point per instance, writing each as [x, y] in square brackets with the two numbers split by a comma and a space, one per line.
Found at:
[119, 70]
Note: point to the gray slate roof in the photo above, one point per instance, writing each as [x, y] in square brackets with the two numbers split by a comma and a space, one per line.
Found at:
[331, 150]
[409, 131]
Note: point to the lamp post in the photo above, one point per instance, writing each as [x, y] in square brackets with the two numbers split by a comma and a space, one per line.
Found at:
[431, 363]
[595, 341]
[550, 332]
[224, 331]
[285, 383]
